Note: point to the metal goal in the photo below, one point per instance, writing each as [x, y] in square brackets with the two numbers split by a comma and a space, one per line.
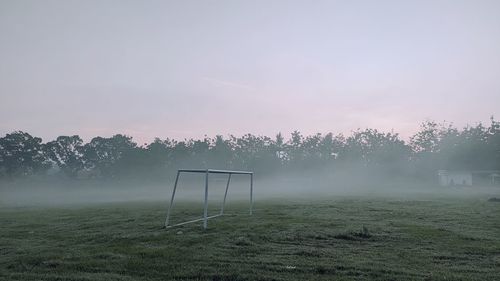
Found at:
[205, 217]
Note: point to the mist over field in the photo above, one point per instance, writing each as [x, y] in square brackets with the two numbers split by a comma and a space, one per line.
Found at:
[366, 163]
[312, 186]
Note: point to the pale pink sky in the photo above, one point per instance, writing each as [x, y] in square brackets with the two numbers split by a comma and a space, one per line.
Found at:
[192, 68]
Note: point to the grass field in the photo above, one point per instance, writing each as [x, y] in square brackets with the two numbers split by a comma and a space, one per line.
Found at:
[346, 238]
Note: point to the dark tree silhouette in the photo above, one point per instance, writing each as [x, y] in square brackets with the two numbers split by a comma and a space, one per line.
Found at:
[435, 146]
[22, 155]
[67, 153]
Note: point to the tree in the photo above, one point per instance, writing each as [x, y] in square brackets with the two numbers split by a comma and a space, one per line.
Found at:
[221, 153]
[295, 150]
[493, 142]
[67, 153]
[101, 154]
[21, 155]
[426, 139]
[160, 154]
[427, 145]
[375, 149]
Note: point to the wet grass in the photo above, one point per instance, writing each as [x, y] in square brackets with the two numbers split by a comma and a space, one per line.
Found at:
[338, 239]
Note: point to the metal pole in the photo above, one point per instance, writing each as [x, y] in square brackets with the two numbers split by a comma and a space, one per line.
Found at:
[225, 195]
[172, 199]
[205, 212]
[251, 194]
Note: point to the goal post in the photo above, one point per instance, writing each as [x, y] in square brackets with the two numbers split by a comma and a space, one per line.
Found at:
[205, 217]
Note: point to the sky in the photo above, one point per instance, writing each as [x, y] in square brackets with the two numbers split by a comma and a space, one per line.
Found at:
[186, 69]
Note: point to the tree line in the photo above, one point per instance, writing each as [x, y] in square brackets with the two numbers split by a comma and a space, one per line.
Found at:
[435, 146]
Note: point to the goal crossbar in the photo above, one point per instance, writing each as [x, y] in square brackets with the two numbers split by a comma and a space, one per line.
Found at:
[205, 205]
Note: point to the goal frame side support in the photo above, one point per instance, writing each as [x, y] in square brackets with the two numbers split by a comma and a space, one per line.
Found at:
[205, 217]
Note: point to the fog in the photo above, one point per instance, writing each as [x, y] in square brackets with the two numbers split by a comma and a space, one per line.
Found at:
[369, 163]
[311, 186]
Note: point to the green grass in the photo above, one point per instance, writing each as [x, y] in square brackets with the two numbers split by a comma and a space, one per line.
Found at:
[338, 239]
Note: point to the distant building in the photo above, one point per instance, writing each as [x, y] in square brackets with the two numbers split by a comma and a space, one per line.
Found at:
[447, 178]
[495, 178]
[467, 178]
